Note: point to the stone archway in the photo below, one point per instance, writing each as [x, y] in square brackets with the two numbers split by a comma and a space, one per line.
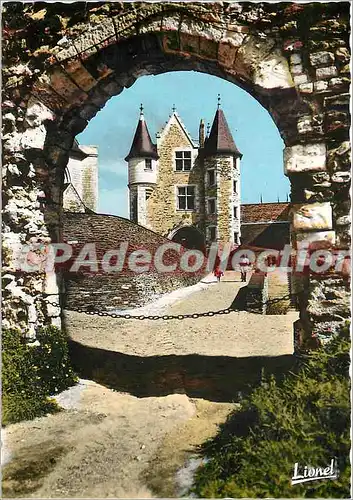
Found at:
[189, 237]
[63, 63]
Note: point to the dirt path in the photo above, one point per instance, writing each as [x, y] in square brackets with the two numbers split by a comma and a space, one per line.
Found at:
[113, 444]
[107, 444]
[238, 334]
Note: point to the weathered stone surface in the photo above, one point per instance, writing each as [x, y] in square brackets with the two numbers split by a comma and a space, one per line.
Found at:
[342, 54]
[295, 59]
[341, 177]
[243, 43]
[306, 88]
[321, 58]
[315, 240]
[310, 217]
[305, 158]
[300, 79]
[297, 69]
[79, 74]
[66, 88]
[321, 85]
[327, 72]
[345, 220]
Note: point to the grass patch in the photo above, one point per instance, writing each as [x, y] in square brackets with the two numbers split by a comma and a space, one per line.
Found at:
[278, 308]
[305, 418]
[25, 474]
[31, 374]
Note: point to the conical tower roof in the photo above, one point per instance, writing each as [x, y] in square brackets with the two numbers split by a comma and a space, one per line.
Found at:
[142, 145]
[220, 140]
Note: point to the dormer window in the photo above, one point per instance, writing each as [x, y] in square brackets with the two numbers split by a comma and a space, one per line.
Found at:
[148, 164]
[182, 161]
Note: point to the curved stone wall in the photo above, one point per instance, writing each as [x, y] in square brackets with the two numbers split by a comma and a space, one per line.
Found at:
[64, 61]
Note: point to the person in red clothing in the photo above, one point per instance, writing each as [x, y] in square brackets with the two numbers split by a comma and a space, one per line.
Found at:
[218, 273]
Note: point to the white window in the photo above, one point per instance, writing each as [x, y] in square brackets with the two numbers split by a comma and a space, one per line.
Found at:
[211, 177]
[212, 233]
[235, 212]
[148, 164]
[186, 197]
[235, 186]
[211, 205]
[182, 161]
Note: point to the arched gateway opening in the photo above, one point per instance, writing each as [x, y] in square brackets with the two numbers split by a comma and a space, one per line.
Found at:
[189, 237]
[62, 81]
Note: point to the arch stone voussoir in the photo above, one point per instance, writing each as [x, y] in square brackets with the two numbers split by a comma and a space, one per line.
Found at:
[283, 55]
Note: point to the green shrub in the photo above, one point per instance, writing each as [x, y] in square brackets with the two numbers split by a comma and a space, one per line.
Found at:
[281, 307]
[30, 374]
[305, 418]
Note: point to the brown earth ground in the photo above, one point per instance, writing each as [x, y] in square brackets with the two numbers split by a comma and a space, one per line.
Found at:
[126, 435]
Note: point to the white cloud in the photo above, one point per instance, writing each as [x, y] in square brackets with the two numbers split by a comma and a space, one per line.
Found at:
[118, 168]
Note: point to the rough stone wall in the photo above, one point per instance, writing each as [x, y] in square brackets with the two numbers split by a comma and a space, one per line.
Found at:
[62, 62]
[99, 290]
[223, 191]
[82, 173]
[162, 213]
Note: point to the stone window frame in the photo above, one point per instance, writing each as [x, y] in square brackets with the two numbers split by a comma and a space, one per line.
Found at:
[192, 158]
[213, 198]
[215, 177]
[177, 198]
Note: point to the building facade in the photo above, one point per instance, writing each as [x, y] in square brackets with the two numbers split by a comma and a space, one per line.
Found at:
[81, 179]
[186, 191]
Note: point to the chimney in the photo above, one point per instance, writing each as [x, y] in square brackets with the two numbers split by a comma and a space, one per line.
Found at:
[202, 134]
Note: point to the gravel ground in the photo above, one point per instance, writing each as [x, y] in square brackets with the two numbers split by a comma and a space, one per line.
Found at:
[109, 444]
[238, 334]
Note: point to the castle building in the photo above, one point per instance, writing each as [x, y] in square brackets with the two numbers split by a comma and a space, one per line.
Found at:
[81, 179]
[188, 192]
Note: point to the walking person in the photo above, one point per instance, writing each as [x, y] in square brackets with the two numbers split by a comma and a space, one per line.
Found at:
[218, 273]
[244, 267]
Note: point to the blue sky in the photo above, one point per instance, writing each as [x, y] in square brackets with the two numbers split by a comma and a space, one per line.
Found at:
[195, 96]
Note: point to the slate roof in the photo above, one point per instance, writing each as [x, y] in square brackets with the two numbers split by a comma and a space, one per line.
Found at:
[220, 139]
[77, 152]
[264, 212]
[142, 145]
[265, 235]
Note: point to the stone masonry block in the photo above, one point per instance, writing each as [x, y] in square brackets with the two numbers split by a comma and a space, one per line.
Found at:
[297, 69]
[311, 216]
[305, 158]
[321, 58]
[320, 86]
[327, 72]
[306, 88]
[316, 240]
[79, 74]
[66, 88]
[299, 79]
[295, 59]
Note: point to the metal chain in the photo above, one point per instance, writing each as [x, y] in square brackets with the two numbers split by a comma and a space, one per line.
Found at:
[169, 316]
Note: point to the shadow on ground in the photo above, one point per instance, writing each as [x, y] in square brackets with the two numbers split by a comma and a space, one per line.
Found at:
[215, 378]
[239, 302]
